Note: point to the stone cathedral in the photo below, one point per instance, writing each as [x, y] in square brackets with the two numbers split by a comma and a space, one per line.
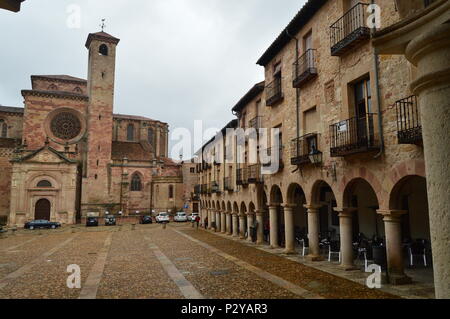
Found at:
[66, 154]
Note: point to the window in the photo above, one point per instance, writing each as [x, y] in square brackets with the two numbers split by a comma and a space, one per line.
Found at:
[130, 132]
[170, 191]
[136, 184]
[77, 90]
[150, 136]
[192, 170]
[3, 129]
[44, 184]
[363, 98]
[53, 87]
[103, 50]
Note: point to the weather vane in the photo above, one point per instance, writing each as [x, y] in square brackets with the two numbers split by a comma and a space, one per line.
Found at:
[103, 25]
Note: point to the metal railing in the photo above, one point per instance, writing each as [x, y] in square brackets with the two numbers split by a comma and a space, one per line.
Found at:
[303, 147]
[215, 187]
[204, 189]
[274, 92]
[227, 185]
[305, 68]
[354, 135]
[254, 174]
[241, 176]
[352, 26]
[409, 127]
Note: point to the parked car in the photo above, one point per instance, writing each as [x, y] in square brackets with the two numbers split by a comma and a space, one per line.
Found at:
[40, 224]
[163, 218]
[192, 217]
[180, 217]
[92, 222]
[146, 220]
[110, 220]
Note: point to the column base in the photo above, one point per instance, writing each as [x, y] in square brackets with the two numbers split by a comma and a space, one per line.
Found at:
[398, 280]
[289, 252]
[274, 247]
[314, 258]
[349, 267]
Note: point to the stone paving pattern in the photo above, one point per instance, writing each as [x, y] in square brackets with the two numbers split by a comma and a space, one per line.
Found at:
[133, 271]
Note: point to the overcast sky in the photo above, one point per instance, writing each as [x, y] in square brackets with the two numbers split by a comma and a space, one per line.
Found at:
[178, 60]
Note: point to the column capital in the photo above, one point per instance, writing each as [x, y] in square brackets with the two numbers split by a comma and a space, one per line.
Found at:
[392, 215]
[312, 208]
[345, 211]
[272, 207]
[289, 206]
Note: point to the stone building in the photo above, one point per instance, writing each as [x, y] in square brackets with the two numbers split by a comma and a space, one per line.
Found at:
[66, 154]
[349, 160]
[11, 5]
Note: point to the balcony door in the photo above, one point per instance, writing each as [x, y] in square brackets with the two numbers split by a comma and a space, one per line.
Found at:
[363, 112]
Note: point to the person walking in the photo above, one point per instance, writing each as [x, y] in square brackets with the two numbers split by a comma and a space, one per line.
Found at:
[206, 223]
[197, 221]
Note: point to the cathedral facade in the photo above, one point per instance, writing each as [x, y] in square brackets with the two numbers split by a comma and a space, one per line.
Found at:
[66, 155]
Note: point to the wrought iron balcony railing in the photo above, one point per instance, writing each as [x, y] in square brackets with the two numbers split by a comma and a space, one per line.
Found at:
[269, 153]
[197, 189]
[241, 177]
[303, 148]
[305, 68]
[409, 127]
[254, 174]
[355, 135]
[215, 187]
[274, 93]
[227, 185]
[350, 30]
[204, 189]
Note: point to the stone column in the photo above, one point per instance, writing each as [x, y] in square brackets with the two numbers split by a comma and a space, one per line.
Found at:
[273, 227]
[260, 230]
[213, 219]
[393, 229]
[223, 222]
[346, 233]
[313, 232]
[218, 222]
[235, 225]
[430, 52]
[242, 226]
[250, 222]
[289, 229]
[229, 221]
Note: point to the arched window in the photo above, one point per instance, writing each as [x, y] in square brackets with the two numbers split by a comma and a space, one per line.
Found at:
[130, 132]
[170, 191]
[136, 184]
[3, 129]
[53, 87]
[44, 184]
[150, 136]
[103, 50]
[78, 90]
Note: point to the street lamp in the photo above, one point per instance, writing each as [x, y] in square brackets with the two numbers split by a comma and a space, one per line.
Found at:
[315, 157]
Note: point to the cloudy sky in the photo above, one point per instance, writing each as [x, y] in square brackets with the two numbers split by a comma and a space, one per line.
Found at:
[178, 60]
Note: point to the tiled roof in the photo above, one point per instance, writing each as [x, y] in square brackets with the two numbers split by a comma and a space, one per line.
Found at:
[132, 117]
[11, 109]
[101, 36]
[132, 151]
[254, 91]
[61, 77]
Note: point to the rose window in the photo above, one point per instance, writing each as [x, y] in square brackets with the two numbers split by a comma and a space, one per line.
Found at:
[65, 126]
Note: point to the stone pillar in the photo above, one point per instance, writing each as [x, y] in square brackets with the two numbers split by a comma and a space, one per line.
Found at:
[235, 225]
[273, 227]
[218, 222]
[229, 224]
[223, 222]
[242, 226]
[313, 232]
[393, 229]
[346, 233]
[289, 229]
[250, 222]
[213, 219]
[260, 230]
[430, 52]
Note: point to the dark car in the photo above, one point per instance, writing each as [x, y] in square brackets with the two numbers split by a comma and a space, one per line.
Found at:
[110, 220]
[146, 220]
[92, 222]
[40, 224]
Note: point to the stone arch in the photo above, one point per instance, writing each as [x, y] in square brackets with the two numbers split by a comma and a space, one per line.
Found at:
[292, 193]
[251, 208]
[42, 209]
[229, 207]
[136, 182]
[218, 205]
[315, 192]
[235, 208]
[324, 199]
[44, 184]
[276, 196]
[243, 210]
[103, 50]
[36, 178]
[296, 199]
[223, 206]
[213, 205]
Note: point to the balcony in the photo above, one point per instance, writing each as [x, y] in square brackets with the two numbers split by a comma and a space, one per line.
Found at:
[280, 158]
[254, 174]
[305, 68]
[215, 188]
[409, 127]
[256, 123]
[274, 93]
[304, 150]
[241, 177]
[204, 189]
[350, 30]
[355, 135]
[227, 184]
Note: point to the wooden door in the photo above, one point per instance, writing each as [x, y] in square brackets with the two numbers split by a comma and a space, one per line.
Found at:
[42, 210]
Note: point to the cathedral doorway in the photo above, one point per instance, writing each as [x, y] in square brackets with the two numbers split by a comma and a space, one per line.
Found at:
[42, 210]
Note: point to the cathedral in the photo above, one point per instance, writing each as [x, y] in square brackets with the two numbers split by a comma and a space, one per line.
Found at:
[66, 155]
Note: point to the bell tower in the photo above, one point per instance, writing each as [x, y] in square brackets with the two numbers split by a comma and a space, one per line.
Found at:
[101, 71]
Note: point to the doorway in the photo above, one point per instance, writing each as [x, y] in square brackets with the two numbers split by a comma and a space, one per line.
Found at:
[42, 209]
